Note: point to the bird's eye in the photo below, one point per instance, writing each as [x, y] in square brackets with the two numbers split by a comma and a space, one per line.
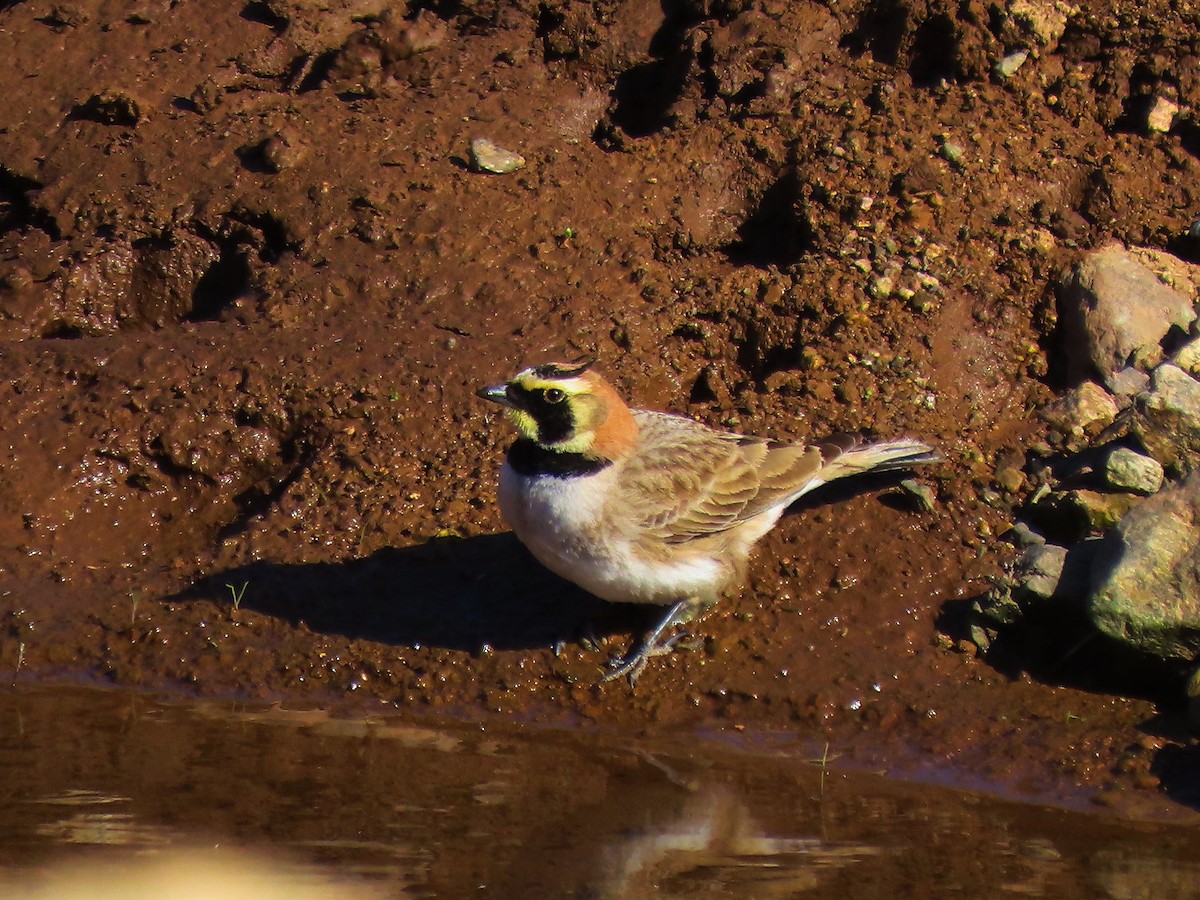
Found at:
[554, 395]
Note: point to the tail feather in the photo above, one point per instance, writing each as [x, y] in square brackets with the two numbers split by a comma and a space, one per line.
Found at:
[847, 457]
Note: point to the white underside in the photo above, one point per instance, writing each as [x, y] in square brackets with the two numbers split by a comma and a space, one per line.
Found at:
[565, 525]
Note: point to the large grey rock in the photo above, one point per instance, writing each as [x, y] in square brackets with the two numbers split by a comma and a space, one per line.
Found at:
[1168, 420]
[1119, 304]
[1146, 577]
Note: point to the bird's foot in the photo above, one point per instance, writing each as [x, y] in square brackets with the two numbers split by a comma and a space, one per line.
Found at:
[631, 664]
[655, 644]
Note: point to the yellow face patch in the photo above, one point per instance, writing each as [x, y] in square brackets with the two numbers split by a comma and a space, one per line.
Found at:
[552, 411]
[524, 422]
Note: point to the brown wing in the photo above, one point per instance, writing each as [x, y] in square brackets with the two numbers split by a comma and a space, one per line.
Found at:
[691, 481]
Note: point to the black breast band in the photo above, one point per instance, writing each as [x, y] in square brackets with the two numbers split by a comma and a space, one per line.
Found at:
[530, 458]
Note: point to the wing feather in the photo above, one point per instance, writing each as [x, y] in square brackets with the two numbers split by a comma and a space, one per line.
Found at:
[692, 481]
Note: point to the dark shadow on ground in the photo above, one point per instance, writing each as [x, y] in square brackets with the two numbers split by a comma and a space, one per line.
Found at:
[1177, 768]
[454, 593]
[884, 484]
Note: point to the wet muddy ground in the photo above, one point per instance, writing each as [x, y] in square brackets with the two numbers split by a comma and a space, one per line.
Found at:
[250, 284]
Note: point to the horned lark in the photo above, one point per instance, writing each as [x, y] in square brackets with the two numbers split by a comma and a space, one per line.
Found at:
[638, 506]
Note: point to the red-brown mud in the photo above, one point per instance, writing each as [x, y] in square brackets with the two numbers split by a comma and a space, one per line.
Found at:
[250, 284]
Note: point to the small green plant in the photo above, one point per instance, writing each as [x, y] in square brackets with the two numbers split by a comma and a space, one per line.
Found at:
[237, 594]
[823, 764]
[824, 768]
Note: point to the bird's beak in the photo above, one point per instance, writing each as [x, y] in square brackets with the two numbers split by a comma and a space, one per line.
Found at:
[495, 394]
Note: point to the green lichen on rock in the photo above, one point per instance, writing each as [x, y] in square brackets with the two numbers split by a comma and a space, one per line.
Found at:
[1146, 579]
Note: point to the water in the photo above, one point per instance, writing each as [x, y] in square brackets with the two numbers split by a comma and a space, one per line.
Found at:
[113, 794]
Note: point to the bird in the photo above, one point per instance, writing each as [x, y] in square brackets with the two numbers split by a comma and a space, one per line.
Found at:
[646, 507]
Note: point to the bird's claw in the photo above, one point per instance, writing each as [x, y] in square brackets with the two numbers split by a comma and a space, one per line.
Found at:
[632, 664]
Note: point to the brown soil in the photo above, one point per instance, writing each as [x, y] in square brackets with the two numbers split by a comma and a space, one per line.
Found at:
[250, 285]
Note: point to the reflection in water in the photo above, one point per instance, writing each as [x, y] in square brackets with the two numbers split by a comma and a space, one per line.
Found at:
[186, 875]
[129, 790]
[100, 825]
[716, 848]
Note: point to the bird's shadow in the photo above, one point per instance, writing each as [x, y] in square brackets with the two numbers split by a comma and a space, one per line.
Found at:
[450, 592]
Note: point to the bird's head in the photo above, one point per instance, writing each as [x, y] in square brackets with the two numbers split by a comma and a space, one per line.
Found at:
[567, 408]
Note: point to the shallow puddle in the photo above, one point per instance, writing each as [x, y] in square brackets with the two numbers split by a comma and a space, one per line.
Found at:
[114, 794]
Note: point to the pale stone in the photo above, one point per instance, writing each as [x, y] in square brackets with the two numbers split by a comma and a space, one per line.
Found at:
[1162, 115]
[1118, 307]
[486, 156]
[1008, 66]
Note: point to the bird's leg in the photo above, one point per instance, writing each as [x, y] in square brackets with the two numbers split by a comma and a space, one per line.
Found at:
[654, 643]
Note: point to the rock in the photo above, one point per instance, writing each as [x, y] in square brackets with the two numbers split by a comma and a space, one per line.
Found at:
[1129, 382]
[1068, 516]
[1117, 308]
[1040, 569]
[1021, 535]
[1044, 19]
[999, 606]
[1010, 479]
[487, 157]
[1100, 511]
[1008, 66]
[880, 287]
[1044, 572]
[1127, 470]
[1083, 411]
[1162, 115]
[921, 494]
[281, 151]
[953, 153]
[1168, 421]
[1146, 578]
[1188, 357]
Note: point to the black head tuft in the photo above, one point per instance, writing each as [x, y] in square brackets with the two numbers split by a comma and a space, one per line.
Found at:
[565, 370]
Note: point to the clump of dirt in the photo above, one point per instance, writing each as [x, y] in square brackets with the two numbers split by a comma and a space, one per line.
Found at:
[250, 285]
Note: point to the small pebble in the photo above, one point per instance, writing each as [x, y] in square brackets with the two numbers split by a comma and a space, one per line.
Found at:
[1010, 478]
[921, 493]
[1008, 66]
[880, 287]
[1041, 569]
[953, 153]
[487, 157]
[1021, 535]
[1162, 115]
